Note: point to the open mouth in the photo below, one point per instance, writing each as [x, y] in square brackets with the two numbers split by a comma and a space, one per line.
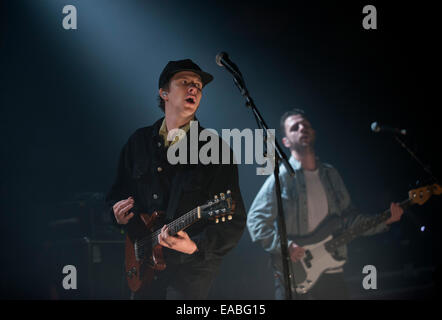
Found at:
[191, 100]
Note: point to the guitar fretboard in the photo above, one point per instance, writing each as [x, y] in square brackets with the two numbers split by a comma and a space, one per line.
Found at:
[361, 228]
[175, 226]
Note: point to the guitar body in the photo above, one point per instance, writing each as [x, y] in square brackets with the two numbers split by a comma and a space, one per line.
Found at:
[143, 253]
[320, 245]
[140, 272]
[317, 259]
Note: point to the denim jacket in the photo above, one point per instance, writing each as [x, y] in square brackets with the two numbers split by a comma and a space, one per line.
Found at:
[262, 216]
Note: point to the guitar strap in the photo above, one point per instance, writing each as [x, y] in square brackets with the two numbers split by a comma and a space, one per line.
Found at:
[178, 180]
[346, 214]
[339, 213]
[175, 194]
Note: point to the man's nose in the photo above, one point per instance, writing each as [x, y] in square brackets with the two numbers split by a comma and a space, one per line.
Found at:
[192, 88]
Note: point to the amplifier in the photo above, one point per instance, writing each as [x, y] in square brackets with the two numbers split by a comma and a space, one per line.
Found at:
[97, 272]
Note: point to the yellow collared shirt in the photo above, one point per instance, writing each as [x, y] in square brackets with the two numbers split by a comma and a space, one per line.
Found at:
[173, 136]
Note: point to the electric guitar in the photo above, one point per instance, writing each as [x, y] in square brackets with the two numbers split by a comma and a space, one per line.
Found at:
[320, 246]
[143, 253]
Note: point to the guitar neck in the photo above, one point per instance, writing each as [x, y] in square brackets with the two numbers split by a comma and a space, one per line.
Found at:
[178, 224]
[361, 228]
[219, 207]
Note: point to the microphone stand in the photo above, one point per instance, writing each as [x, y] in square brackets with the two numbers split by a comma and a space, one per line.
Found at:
[413, 155]
[279, 156]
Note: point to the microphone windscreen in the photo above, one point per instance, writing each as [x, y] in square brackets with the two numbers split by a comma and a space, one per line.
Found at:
[375, 127]
[219, 57]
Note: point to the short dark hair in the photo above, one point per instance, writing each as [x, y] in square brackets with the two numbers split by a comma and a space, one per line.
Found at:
[161, 103]
[293, 112]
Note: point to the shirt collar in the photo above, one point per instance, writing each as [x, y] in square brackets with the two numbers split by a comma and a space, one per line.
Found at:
[174, 136]
[297, 164]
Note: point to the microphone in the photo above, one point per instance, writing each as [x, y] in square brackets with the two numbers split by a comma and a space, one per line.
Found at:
[222, 59]
[375, 127]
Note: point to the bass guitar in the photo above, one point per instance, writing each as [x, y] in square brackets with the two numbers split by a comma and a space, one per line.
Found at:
[320, 246]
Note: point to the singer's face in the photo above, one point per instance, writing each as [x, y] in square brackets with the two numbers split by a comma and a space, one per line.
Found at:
[184, 95]
[299, 133]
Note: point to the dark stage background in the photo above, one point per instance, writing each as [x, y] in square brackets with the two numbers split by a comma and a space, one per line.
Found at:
[71, 98]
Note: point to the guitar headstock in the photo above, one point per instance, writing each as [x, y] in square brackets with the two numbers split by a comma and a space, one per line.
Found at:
[421, 195]
[219, 208]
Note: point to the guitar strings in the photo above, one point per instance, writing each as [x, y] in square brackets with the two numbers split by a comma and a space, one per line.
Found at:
[154, 236]
[336, 242]
[175, 223]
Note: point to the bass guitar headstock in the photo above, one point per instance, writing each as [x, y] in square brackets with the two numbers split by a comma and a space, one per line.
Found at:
[421, 195]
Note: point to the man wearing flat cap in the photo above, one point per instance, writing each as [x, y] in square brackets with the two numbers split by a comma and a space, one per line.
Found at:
[147, 182]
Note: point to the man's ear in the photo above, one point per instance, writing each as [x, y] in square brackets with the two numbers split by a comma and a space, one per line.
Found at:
[286, 142]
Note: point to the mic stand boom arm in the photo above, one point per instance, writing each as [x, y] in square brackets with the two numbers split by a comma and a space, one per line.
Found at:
[279, 156]
[413, 155]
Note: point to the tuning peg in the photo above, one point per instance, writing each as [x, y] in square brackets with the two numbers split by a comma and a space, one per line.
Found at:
[216, 220]
[215, 197]
[223, 219]
[222, 196]
[228, 192]
[229, 217]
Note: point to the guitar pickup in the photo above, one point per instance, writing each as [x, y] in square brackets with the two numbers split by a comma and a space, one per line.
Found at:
[308, 258]
[137, 249]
